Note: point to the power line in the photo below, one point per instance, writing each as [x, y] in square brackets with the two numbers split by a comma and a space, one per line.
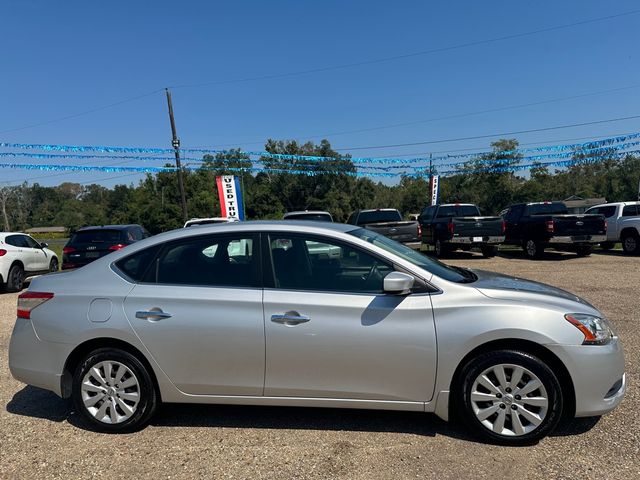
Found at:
[436, 119]
[409, 55]
[590, 137]
[86, 112]
[546, 129]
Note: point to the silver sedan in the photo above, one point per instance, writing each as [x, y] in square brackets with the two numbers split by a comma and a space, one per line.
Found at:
[312, 314]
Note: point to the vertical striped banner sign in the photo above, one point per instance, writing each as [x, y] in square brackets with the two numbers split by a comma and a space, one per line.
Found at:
[230, 196]
[434, 188]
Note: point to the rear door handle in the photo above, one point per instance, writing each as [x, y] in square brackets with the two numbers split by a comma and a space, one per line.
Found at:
[290, 318]
[152, 314]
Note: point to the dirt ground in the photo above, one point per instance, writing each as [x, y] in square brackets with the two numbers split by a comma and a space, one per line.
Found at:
[41, 436]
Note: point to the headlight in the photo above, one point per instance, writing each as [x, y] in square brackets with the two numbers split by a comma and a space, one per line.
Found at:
[596, 330]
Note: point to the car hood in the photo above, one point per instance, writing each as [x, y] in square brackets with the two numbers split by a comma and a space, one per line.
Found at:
[496, 285]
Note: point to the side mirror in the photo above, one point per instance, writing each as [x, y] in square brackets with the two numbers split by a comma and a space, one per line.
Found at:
[398, 283]
[44, 245]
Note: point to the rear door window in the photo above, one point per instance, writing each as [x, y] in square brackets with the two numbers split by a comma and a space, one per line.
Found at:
[16, 241]
[208, 261]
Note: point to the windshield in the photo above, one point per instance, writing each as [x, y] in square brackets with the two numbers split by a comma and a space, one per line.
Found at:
[379, 216]
[452, 274]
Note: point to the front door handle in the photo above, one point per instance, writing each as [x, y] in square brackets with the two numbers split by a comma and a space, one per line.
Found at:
[152, 314]
[290, 318]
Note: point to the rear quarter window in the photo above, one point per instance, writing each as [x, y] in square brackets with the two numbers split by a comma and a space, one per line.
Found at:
[135, 266]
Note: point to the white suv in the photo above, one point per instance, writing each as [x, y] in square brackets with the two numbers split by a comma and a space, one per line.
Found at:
[21, 257]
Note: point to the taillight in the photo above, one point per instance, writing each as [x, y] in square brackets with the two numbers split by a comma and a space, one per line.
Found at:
[3, 252]
[504, 226]
[117, 246]
[550, 226]
[419, 231]
[27, 301]
[66, 250]
[451, 227]
[606, 225]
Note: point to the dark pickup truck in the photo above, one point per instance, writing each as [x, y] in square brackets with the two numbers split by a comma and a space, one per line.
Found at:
[388, 222]
[536, 226]
[460, 226]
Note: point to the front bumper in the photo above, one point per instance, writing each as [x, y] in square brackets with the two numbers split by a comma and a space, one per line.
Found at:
[477, 240]
[597, 372]
[577, 240]
[35, 362]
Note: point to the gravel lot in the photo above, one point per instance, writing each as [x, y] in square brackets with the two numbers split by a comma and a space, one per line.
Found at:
[41, 436]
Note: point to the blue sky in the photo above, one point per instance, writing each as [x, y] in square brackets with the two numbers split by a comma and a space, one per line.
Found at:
[62, 58]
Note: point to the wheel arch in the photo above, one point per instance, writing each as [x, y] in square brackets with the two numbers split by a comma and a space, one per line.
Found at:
[544, 354]
[629, 231]
[78, 353]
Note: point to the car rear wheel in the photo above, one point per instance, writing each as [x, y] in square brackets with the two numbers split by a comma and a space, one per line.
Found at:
[53, 266]
[15, 279]
[442, 250]
[489, 251]
[584, 251]
[113, 391]
[631, 244]
[607, 245]
[509, 397]
[532, 249]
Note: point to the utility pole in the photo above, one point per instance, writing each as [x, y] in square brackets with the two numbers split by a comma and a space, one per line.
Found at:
[176, 147]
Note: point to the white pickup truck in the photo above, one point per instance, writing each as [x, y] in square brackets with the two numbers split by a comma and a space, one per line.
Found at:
[623, 225]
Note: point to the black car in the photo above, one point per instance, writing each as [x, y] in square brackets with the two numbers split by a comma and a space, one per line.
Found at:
[90, 243]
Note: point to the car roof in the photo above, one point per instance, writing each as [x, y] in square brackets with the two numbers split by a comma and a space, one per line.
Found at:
[379, 210]
[307, 226]
[307, 212]
[635, 202]
[107, 227]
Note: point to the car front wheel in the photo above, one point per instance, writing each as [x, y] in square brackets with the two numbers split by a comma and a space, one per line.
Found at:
[113, 391]
[509, 397]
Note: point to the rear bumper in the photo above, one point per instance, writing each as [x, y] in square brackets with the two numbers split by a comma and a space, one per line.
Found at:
[35, 362]
[598, 376]
[579, 240]
[493, 240]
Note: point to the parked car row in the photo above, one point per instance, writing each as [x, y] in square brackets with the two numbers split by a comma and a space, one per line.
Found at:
[533, 226]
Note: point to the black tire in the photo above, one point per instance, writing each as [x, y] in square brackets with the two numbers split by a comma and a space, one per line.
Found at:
[631, 244]
[550, 417]
[441, 249]
[584, 251]
[532, 249]
[53, 265]
[607, 245]
[145, 388]
[15, 279]
[489, 251]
